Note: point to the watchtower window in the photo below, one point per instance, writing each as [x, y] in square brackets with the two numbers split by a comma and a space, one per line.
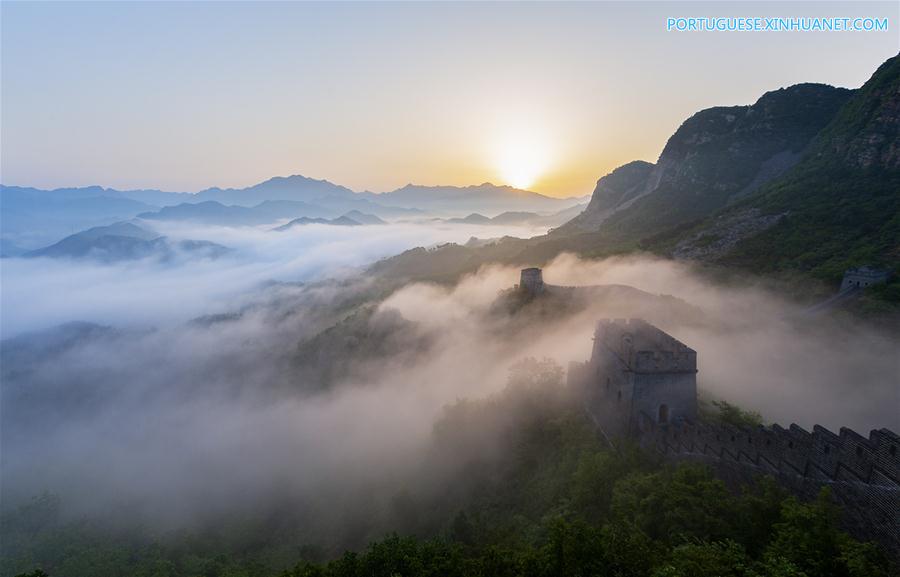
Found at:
[859, 451]
[607, 383]
[663, 413]
[620, 396]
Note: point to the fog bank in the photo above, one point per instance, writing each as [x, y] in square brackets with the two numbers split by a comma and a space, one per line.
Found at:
[187, 421]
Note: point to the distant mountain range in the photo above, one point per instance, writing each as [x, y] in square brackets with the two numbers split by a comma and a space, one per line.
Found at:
[32, 217]
[520, 218]
[345, 220]
[212, 212]
[807, 179]
[481, 198]
[363, 218]
[125, 241]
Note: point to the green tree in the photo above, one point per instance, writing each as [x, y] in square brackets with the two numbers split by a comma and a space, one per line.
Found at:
[676, 505]
[720, 559]
[808, 537]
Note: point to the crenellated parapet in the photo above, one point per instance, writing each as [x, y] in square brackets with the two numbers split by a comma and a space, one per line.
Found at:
[643, 348]
[862, 472]
[820, 454]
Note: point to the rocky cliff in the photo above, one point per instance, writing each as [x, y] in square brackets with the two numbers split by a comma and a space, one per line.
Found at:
[613, 192]
[717, 156]
[838, 207]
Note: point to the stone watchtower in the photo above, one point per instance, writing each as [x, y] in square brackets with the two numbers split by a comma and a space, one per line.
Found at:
[637, 374]
[531, 281]
[862, 277]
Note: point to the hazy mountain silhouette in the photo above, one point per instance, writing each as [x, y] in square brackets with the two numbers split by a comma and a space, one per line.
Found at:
[364, 218]
[295, 187]
[212, 212]
[302, 221]
[32, 218]
[473, 218]
[479, 198]
[124, 241]
[522, 218]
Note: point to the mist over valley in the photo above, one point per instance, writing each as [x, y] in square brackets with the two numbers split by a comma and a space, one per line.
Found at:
[690, 369]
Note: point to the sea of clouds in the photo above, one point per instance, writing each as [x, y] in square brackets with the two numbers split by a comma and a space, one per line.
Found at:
[39, 293]
[179, 422]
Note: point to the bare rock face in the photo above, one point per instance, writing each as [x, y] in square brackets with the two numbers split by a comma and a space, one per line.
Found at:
[715, 157]
[724, 234]
[614, 191]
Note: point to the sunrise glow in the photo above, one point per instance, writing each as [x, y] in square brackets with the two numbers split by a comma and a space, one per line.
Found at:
[521, 160]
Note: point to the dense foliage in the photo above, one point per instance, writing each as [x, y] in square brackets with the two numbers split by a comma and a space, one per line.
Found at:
[545, 497]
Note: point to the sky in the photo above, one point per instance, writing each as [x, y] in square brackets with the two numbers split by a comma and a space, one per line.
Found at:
[183, 96]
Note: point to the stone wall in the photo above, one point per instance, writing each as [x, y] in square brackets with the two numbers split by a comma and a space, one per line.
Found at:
[862, 472]
[636, 369]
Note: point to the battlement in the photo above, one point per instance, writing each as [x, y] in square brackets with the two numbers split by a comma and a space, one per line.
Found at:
[821, 454]
[862, 472]
[644, 348]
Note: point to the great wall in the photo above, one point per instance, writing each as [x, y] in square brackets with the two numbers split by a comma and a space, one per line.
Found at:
[862, 473]
[641, 383]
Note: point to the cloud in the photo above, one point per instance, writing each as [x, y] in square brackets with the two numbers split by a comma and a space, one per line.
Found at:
[188, 421]
[43, 292]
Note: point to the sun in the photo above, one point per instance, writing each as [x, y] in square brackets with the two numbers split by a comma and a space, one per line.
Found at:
[521, 161]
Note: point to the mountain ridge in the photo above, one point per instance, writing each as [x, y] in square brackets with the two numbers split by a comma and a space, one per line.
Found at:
[839, 206]
[124, 241]
[717, 154]
[59, 212]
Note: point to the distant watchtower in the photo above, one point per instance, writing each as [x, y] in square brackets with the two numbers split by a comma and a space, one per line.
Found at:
[862, 277]
[531, 281]
[637, 373]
